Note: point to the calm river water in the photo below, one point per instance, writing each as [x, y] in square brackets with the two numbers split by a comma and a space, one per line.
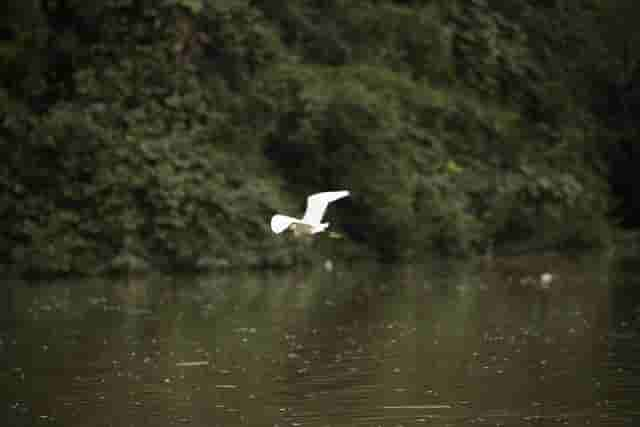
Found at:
[363, 345]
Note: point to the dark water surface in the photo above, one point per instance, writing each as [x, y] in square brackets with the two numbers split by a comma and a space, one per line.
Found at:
[437, 345]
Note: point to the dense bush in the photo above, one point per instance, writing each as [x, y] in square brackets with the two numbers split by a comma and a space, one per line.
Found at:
[169, 132]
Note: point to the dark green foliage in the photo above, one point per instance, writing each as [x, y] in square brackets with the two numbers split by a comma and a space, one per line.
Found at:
[171, 131]
[363, 128]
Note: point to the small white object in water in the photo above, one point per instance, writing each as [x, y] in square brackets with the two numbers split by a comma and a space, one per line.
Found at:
[189, 364]
[311, 221]
[328, 265]
[546, 279]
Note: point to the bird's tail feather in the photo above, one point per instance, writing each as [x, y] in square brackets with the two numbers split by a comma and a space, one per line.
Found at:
[320, 228]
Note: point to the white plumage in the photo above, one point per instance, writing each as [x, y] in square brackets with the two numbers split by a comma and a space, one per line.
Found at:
[311, 222]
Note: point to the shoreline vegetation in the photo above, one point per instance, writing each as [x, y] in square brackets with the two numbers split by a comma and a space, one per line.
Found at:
[138, 134]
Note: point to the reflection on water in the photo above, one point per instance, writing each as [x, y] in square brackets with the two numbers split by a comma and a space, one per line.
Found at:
[367, 345]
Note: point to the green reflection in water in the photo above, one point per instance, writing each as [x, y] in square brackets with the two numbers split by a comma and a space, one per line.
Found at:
[444, 343]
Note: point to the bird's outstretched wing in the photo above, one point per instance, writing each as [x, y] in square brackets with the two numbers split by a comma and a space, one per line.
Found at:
[279, 223]
[317, 205]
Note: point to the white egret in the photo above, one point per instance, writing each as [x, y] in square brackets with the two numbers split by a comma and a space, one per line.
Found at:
[311, 221]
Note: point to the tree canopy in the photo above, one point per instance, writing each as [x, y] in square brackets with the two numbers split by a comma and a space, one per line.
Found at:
[171, 131]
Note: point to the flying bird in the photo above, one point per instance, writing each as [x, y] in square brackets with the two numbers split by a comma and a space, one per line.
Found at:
[311, 221]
